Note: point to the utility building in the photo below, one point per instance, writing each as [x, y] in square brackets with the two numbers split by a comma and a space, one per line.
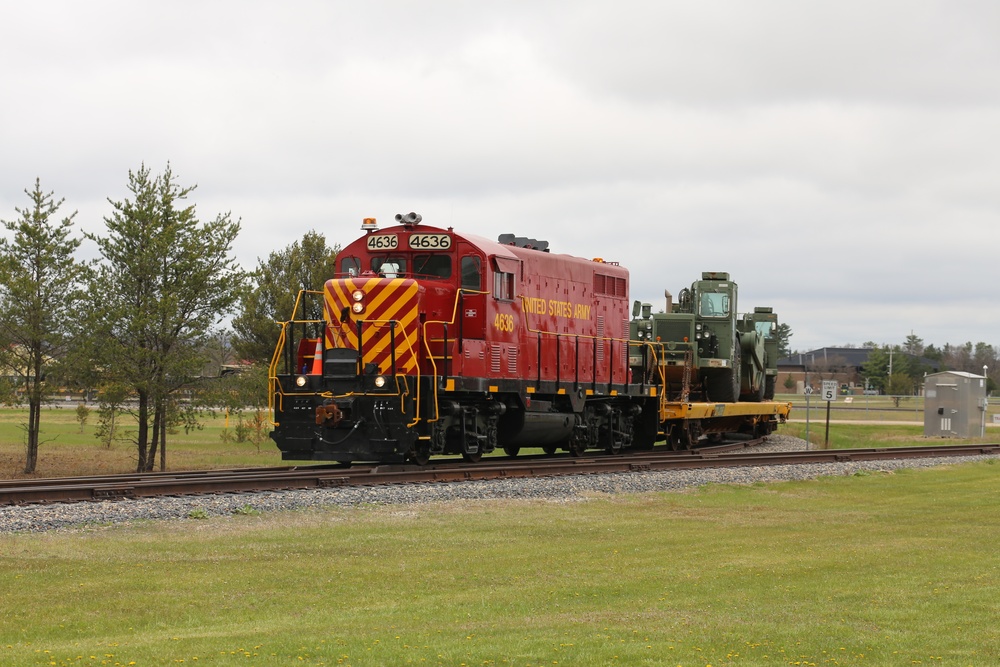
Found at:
[954, 405]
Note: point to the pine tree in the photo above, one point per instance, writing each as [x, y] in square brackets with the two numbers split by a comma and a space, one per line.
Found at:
[304, 265]
[40, 292]
[164, 280]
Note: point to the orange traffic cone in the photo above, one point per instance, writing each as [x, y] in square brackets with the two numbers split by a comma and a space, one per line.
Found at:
[317, 368]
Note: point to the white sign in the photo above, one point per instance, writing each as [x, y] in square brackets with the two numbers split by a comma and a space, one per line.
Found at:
[829, 390]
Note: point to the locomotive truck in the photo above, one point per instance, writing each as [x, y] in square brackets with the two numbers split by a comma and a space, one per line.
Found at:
[437, 342]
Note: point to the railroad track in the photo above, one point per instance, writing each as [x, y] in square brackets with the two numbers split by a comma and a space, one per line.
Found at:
[110, 487]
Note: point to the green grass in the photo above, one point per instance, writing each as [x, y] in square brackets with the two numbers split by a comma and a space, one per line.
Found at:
[867, 408]
[881, 569]
[66, 449]
[869, 436]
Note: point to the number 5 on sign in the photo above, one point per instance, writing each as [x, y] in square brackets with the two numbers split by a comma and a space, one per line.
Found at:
[829, 390]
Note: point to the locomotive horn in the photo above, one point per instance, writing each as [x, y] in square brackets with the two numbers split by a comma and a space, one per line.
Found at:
[410, 218]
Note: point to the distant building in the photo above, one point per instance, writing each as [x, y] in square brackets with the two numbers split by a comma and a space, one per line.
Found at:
[842, 364]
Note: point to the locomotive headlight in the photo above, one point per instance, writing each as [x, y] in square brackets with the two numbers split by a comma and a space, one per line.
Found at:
[358, 308]
[300, 381]
[379, 381]
[697, 327]
[358, 295]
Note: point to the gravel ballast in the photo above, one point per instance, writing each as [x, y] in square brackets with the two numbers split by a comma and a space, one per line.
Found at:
[40, 518]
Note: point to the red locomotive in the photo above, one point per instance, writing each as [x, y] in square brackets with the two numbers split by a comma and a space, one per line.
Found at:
[436, 342]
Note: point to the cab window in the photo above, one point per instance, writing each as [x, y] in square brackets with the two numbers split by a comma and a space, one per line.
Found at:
[389, 266]
[350, 266]
[765, 329]
[432, 266]
[503, 286]
[714, 304]
[472, 273]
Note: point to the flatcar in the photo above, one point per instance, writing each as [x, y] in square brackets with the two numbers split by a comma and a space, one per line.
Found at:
[437, 342]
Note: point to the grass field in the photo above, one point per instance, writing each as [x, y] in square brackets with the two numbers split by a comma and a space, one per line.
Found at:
[877, 569]
[874, 569]
[68, 449]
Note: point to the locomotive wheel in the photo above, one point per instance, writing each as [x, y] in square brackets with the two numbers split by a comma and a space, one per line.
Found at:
[511, 451]
[577, 448]
[549, 449]
[420, 454]
[472, 458]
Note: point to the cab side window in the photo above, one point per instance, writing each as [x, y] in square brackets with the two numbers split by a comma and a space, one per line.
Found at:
[472, 273]
[503, 286]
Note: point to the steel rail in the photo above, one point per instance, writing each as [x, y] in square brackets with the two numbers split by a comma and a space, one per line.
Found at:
[110, 487]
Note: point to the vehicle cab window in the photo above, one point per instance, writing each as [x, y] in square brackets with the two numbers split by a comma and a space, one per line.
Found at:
[765, 329]
[714, 304]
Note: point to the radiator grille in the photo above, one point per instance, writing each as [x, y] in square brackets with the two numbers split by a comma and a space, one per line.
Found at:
[675, 330]
[512, 360]
[495, 359]
[600, 338]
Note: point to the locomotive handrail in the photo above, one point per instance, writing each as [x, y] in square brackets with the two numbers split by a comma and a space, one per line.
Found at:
[275, 392]
[430, 357]
[594, 339]
[273, 386]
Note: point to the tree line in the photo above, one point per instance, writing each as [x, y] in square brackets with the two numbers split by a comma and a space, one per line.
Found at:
[140, 324]
[899, 369]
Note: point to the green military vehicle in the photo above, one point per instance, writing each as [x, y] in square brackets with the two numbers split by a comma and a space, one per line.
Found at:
[765, 321]
[699, 347]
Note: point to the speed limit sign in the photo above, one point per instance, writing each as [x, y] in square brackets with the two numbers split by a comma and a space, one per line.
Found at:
[829, 390]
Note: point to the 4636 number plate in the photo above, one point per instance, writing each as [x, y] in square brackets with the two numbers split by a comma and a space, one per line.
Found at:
[430, 241]
[382, 242]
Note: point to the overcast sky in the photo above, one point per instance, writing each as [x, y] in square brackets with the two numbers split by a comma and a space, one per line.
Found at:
[841, 160]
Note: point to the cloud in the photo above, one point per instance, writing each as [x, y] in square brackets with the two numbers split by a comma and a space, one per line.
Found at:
[840, 160]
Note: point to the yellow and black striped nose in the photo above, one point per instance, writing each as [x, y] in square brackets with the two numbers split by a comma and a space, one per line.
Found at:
[388, 312]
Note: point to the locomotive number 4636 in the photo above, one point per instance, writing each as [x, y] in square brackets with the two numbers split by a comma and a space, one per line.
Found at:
[430, 241]
[503, 322]
[382, 242]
